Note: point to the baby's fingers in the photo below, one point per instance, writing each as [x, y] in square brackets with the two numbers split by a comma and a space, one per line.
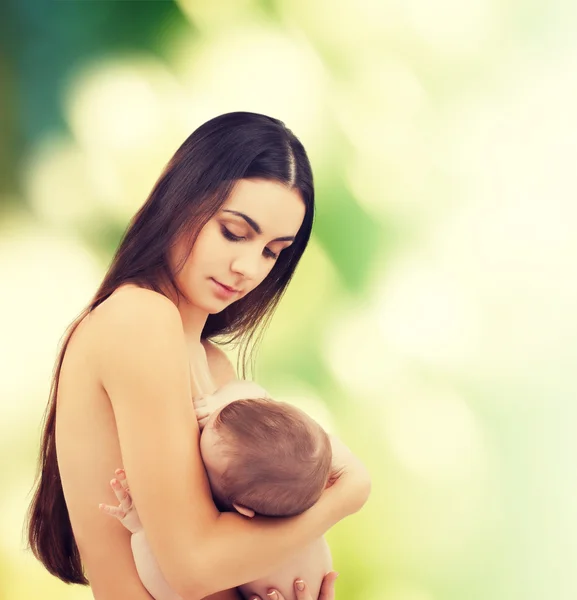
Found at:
[113, 511]
[202, 415]
[121, 476]
[122, 494]
[199, 401]
[202, 422]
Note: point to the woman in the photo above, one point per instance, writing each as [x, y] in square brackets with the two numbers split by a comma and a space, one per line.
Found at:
[209, 253]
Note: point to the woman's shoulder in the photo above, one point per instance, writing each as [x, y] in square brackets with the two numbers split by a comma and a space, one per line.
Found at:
[130, 303]
[133, 318]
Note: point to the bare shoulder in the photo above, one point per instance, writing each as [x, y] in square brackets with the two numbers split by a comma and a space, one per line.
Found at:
[136, 325]
[220, 365]
[131, 304]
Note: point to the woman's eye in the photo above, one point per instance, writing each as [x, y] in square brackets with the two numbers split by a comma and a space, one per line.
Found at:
[270, 254]
[229, 235]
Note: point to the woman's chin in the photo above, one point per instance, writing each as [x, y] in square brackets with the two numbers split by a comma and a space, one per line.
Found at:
[209, 305]
[215, 311]
[217, 307]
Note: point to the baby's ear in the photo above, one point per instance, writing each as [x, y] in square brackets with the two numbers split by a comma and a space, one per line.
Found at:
[243, 510]
[333, 477]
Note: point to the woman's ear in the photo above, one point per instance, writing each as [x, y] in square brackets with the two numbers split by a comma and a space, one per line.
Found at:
[243, 510]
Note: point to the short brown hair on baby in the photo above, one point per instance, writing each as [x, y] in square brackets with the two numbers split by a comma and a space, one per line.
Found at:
[279, 458]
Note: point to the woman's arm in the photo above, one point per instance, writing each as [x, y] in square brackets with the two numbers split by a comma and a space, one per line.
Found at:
[312, 564]
[144, 369]
[145, 561]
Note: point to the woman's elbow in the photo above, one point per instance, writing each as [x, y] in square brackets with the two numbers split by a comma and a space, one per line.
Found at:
[190, 588]
[362, 487]
[199, 581]
[365, 489]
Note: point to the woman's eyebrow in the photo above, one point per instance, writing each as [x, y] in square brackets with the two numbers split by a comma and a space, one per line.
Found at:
[254, 225]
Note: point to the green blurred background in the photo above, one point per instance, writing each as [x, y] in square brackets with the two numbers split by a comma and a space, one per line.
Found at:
[430, 324]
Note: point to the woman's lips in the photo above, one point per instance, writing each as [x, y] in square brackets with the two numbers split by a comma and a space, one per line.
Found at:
[224, 291]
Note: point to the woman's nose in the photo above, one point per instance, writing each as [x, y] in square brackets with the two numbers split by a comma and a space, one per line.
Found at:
[247, 263]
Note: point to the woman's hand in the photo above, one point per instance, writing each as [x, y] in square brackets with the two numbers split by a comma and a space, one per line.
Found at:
[302, 592]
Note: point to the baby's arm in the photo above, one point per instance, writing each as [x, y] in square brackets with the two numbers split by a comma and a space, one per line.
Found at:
[146, 565]
[311, 565]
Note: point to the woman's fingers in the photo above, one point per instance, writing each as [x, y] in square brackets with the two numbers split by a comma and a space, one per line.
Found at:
[328, 586]
[302, 591]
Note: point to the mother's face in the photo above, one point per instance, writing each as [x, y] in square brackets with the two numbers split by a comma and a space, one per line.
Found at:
[239, 246]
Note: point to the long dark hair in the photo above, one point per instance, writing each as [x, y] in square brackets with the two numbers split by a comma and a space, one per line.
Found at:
[194, 185]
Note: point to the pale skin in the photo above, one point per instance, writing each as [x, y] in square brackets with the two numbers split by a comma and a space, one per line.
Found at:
[317, 552]
[312, 563]
[124, 397]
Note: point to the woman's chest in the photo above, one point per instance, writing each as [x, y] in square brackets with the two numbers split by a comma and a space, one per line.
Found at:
[204, 372]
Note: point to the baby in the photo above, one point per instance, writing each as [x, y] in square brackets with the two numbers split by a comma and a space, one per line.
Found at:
[261, 457]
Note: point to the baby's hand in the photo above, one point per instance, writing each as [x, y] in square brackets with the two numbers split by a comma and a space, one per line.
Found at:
[125, 512]
[202, 409]
[205, 405]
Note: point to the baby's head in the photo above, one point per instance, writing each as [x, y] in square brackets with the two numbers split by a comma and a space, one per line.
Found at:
[267, 456]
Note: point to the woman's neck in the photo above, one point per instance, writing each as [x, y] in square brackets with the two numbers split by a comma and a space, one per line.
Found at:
[193, 318]
[193, 321]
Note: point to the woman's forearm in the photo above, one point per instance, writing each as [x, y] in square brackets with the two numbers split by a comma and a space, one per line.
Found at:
[236, 550]
[152, 578]
[230, 553]
[233, 550]
[232, 594]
